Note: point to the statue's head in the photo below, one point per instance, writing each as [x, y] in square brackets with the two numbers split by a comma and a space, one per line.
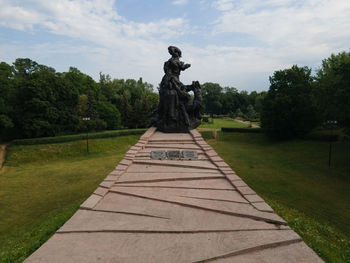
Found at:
[174, 51]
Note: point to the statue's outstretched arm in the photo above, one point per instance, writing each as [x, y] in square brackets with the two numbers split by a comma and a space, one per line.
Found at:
[182, 66]
[185, 66]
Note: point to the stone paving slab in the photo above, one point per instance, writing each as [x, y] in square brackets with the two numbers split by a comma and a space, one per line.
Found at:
[179, 163]
[173, 143]
[174, 211]
[146, 151]
[165, 137]
[218, 184]
[179, 219]
[137, 168]
[163, 176]
[174, 193]
[141, 247]
[282, 253]
[175, 146]
[237, 209]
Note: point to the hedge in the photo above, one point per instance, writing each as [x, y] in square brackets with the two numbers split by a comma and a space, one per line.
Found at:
[76, 137]
[322, 137]
[247, 130]
[317, 136]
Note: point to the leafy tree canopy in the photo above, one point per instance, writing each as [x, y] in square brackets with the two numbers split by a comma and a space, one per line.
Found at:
[333, 88]
[288, 109]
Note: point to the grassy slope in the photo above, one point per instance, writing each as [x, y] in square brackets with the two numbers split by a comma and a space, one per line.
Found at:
[41, 186]
[222, 122]
[295, 179]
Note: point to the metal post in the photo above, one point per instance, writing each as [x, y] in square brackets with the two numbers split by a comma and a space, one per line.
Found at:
[332, 123]
[330, 152]
[87, 140]
[87, 133]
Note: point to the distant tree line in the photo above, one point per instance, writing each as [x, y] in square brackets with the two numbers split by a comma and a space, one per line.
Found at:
[37, 101]
[229, 101]
[296, 102]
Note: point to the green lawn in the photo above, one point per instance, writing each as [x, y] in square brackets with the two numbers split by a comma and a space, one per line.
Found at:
[222, 122]
[41, 186]
[294, 178]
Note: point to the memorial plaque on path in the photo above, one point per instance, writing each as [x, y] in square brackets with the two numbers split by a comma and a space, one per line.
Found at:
[159, 155]
[189, 155]
[173, 154]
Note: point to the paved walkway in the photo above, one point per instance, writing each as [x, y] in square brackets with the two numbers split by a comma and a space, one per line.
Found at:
[174, 211]
[249, 123]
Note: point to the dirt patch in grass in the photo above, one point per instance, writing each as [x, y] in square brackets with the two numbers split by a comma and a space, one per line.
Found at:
[2, 153]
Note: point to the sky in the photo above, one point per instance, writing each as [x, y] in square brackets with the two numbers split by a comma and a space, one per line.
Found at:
[236, 43]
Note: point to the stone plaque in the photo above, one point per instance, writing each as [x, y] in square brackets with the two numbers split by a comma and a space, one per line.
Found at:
[159, 155]
[190, 155]
[173, 154]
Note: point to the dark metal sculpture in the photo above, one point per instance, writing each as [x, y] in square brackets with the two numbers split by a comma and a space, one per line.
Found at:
[175, 111]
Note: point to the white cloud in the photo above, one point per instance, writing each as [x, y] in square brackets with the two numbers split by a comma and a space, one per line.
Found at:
[126, 49]
[180, 2]
[293, 29]
[223, 5]
[17, 17]
[290, 31]
[93, 20]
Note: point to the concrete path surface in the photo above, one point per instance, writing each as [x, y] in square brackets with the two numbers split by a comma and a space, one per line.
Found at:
[174, 211]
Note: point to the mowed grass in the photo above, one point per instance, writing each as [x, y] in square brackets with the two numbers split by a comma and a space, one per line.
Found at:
[222, 122]
[41, 186]
[294, 178]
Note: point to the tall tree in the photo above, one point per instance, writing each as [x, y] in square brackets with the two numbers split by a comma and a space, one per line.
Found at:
[333, 88]
[288, 109]
[6, 90]
[211, 93]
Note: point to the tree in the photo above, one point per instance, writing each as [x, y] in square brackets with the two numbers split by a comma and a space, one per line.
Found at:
[110, 114]
[333, 88]
[125, 110]
[239, 113]
[6, 87]
[288, 108]
[251, 113]
[45, 101]
[25, 66]
[258, 103]
[243, 100]
[211, 97]
[36, 94]
[229, 100]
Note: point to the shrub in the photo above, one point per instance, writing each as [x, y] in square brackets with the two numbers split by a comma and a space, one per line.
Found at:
[248, 130]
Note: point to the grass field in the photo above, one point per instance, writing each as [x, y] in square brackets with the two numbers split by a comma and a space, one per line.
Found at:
[294, 178]
[222, 122]
[41, 186]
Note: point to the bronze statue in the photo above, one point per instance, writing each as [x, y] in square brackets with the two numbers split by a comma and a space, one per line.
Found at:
[175, 112]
